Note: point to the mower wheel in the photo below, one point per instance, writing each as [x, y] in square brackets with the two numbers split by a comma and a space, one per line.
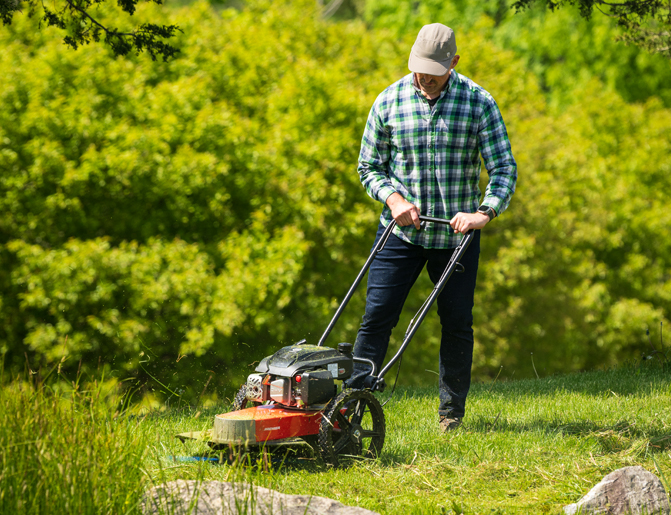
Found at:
[241, 401]
[352, 425]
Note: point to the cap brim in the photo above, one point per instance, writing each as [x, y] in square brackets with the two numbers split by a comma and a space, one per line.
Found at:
[428, 66]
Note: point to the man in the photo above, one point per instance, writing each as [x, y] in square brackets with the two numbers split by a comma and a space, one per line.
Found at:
[420, 154]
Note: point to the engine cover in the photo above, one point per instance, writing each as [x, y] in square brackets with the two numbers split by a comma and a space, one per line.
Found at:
[288, 361]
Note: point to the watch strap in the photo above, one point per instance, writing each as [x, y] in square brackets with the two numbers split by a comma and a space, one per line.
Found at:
[488, 211]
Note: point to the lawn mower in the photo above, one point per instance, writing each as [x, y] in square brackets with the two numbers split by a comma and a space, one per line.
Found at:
[297, 394]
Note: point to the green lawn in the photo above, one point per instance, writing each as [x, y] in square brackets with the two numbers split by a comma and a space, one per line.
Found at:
[527, 446]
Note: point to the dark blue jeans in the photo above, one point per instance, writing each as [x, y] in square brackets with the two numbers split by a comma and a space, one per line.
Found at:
[391, 275]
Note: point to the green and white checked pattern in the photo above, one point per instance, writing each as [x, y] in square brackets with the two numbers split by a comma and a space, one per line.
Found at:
[431, 156]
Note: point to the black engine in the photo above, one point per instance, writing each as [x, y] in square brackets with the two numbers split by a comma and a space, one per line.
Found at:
[300, 375]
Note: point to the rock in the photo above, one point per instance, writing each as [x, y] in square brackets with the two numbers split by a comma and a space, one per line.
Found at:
[629, 490]
[218, 498]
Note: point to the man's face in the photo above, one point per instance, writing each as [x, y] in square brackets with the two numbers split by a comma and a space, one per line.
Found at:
[432, 85]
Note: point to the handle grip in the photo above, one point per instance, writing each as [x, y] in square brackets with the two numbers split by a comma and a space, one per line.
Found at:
[444, 221]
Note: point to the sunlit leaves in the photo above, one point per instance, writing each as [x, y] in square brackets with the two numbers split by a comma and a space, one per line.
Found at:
[175, 218]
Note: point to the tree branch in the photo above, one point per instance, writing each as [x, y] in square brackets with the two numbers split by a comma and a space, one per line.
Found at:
[645, 22]
[85, 28]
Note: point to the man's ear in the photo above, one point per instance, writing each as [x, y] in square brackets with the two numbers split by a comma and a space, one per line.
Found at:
[455, 60]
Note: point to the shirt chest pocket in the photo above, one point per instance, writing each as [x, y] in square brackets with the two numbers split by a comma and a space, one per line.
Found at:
[455, 135]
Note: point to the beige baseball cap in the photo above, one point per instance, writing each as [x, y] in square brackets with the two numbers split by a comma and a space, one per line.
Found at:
[433, 50]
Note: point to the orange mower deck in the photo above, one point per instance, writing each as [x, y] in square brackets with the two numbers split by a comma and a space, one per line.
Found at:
[258, 425]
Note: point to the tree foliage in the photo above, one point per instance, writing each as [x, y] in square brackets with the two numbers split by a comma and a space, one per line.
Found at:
[180, 220]
[186, 208]
[647, 23]
[564, 52]
[85, 21]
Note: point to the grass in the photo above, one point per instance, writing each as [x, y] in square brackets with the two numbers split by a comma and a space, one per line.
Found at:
[529, 446]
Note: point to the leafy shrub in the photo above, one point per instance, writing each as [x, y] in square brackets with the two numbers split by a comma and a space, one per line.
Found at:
[179, 221]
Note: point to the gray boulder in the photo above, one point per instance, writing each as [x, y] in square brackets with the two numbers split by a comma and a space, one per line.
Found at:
[629, 490]
[218, 498]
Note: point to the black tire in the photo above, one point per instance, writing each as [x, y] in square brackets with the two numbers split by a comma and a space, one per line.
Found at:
[352, 425]
[241, 401]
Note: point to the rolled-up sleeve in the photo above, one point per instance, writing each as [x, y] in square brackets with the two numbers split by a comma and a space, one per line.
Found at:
[497, 154]
[374, 158]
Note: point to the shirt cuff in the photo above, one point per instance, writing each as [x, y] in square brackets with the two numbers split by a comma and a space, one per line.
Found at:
[495, 203]
[384, 193]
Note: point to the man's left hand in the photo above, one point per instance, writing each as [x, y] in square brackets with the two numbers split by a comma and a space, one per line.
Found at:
[464, 222]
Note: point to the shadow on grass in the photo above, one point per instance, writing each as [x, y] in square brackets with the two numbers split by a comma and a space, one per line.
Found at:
[630, 379]
[611, 438]
[633, 379]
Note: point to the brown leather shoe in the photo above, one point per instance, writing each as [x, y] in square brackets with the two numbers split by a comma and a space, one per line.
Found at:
[449, 423]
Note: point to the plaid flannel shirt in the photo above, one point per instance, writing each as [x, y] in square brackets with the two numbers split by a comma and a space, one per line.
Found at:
[431, 156]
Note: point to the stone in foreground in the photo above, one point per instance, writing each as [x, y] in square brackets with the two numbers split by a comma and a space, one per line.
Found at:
[219, 498]
[629, 490]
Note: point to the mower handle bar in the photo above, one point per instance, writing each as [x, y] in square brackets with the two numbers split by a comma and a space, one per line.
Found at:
[421, 314]
[378, 248]
[366, 361]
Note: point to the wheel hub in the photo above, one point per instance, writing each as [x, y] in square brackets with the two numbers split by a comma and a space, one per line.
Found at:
[356, 433]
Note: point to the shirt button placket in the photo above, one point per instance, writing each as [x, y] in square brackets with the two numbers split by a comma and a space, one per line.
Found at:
[432, 159]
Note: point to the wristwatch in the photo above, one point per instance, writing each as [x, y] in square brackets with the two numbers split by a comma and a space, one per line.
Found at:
[488, 211]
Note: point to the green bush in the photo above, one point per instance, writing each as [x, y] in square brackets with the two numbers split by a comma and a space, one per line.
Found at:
[560, 49]
[194, 208]
[179, 221]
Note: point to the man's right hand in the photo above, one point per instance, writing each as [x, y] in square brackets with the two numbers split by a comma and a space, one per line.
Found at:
[403, 211]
